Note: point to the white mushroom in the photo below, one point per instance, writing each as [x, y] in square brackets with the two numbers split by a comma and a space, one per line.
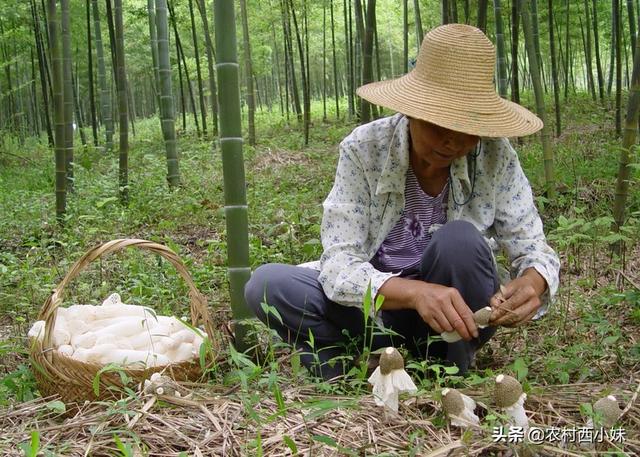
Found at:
[77, 326]
[149, 339]
[119, 341]
[459, 408]
[85, 313]
[61, 335]
[66, 349]
[110, 353]
[81, 354]
[132, 326]
[510, 397]
[197, 343]
[113, 311]
[160, 385]
[481, 318]
[181, 353]
[85, 340]
[100, 354]
[173, 323]
[36, 331]
[113, 299]
[184, 336]
[389, 379]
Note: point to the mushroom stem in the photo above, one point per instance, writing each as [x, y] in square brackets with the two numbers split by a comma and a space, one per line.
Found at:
[389, 379]
[518, 414]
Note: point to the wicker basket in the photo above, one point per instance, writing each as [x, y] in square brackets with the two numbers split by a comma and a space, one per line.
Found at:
[72, 379]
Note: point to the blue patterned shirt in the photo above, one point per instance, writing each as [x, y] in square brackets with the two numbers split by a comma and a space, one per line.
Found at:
[368, 198]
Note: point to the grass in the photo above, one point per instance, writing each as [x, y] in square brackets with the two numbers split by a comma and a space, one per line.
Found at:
[586, 347]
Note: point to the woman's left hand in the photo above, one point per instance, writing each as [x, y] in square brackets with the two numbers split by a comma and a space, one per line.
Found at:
[519, 300]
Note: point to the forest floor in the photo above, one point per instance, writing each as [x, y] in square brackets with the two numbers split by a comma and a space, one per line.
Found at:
[586, 347]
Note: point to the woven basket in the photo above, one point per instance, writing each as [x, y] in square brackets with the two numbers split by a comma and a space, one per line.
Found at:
[72, 379]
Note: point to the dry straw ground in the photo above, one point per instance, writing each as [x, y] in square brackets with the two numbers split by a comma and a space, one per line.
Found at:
[210, 424]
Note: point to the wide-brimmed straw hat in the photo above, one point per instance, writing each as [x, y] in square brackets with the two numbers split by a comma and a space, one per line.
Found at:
[452, 85]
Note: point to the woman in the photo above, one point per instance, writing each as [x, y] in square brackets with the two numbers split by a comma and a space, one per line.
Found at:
[421, 202]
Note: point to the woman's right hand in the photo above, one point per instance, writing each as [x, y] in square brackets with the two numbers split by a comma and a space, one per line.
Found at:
[441, 307]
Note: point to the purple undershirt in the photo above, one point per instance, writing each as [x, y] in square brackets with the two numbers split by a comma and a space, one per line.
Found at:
[403, 247]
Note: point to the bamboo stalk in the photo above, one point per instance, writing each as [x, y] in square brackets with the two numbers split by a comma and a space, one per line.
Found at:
[537, 87]
[628, 141]
[167, 115]
[233, 164]
[53, 25]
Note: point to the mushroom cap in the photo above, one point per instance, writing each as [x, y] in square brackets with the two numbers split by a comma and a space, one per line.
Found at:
[507, 390]
[609, 409]
[452, 401]
[390, 360]
[482, 316]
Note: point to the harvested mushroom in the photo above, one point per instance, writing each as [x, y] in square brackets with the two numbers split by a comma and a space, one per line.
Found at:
[86, 340]
[459, 408]
[181, 353]
[160, 385]
[61, 334]
[173, 323]
[66, 349]
[510, 397]
[607, 412]
[36, 331]
[481, 318]
[390, 379]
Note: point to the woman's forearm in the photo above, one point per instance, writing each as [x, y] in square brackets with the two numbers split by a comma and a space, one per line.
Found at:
[398, 293]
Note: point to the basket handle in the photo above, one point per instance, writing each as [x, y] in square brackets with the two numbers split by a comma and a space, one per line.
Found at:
[198, 302]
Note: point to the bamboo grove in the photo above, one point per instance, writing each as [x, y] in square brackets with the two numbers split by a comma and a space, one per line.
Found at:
[78, 73]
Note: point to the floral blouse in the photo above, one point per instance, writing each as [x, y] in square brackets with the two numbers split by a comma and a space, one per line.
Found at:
[367, 199]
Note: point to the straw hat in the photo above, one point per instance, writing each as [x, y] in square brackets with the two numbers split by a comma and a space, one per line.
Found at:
[452, 86]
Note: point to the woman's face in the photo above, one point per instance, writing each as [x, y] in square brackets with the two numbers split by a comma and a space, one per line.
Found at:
[435, 146]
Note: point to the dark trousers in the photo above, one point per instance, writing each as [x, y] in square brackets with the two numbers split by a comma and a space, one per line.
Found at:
[457, 256]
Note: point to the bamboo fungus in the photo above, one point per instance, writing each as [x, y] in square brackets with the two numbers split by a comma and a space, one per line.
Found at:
[233, 166]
